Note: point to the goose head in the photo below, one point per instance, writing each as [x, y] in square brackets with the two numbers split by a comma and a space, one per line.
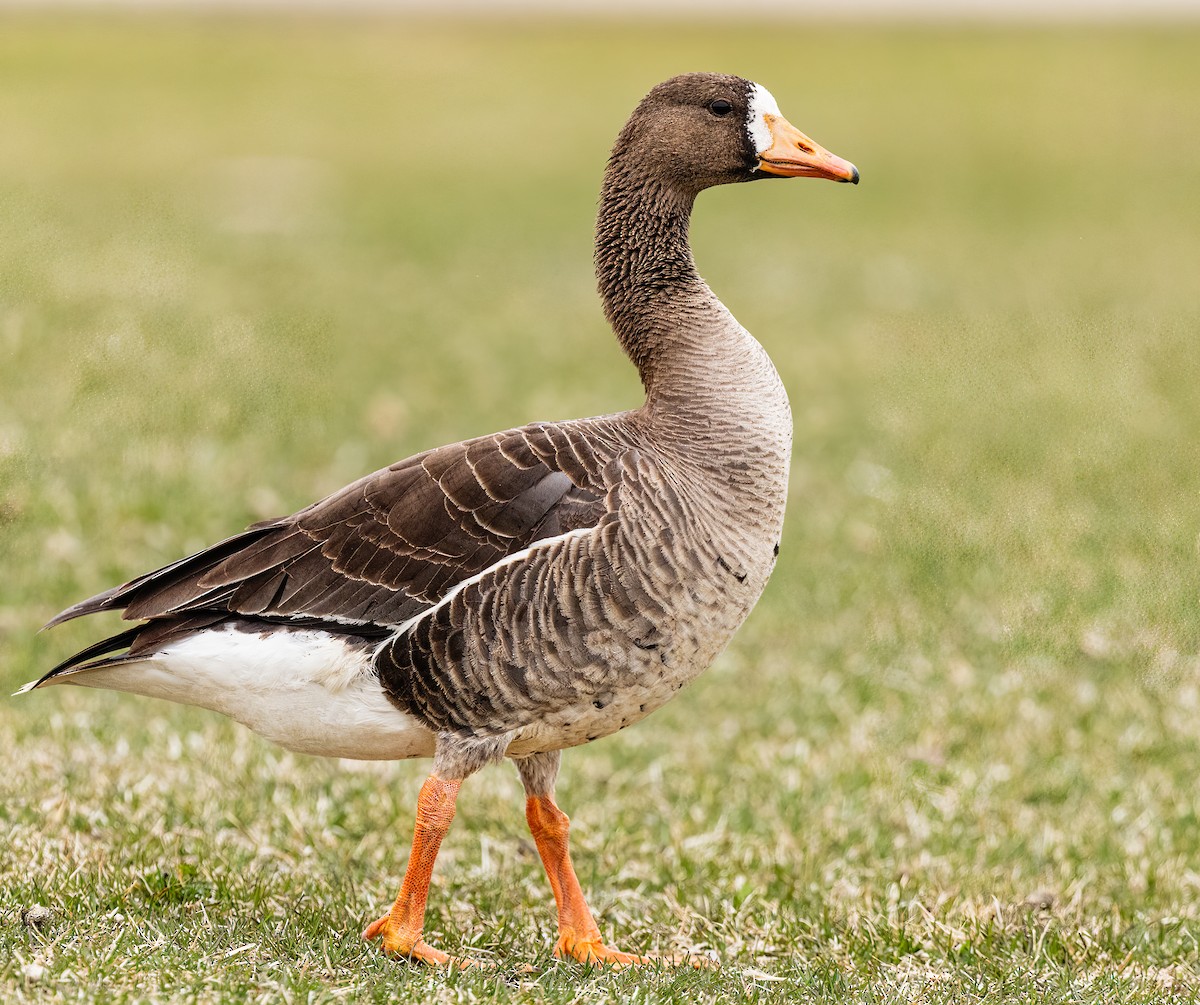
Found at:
[698, 130]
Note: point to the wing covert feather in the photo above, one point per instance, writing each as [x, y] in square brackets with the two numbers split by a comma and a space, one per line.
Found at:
[392, 543]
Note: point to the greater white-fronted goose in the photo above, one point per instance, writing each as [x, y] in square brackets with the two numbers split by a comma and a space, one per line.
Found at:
[526, 591]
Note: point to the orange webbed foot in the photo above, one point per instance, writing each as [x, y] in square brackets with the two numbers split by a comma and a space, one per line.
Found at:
[398, 943]
[596, 952]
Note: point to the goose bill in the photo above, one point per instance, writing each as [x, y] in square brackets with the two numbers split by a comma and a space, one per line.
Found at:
[793, 155]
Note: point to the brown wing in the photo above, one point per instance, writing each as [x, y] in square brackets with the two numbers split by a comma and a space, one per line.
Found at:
[388, 546]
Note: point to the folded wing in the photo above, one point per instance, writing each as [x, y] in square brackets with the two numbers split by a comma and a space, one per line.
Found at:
[378, 552]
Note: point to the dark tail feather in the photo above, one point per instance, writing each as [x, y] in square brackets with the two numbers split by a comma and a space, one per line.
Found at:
[93, 605]
[102, 648]
[120, 597]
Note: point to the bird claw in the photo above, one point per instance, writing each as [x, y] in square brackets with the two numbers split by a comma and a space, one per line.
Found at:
[398, 943]
[596, 952]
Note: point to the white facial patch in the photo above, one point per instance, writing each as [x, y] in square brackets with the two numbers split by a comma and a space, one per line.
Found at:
[762, 103]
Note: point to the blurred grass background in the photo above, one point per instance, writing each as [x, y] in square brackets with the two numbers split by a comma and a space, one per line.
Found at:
[953, 753]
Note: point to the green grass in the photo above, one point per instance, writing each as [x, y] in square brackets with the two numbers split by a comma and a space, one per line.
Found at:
[952, 756]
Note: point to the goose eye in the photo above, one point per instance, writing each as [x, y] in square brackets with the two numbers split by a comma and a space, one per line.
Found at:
[720, 107]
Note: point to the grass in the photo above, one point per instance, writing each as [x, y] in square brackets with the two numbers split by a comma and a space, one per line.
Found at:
[951, 757]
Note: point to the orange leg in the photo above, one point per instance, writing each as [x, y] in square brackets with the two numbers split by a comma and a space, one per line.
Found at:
[578, 934]
[401, 928]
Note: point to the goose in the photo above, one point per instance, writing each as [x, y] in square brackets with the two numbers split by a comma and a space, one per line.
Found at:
[516, 594]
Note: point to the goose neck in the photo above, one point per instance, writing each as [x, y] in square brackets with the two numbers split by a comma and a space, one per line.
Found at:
[653, 297]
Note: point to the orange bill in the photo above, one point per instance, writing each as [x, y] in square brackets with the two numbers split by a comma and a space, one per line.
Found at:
[793, 155]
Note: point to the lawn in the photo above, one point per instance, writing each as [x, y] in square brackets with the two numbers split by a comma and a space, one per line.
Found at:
[953, 754]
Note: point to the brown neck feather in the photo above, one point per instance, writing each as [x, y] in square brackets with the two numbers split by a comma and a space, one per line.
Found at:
[648, 282]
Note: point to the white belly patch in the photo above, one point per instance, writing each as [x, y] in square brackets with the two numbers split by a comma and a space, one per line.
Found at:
[305, 689]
